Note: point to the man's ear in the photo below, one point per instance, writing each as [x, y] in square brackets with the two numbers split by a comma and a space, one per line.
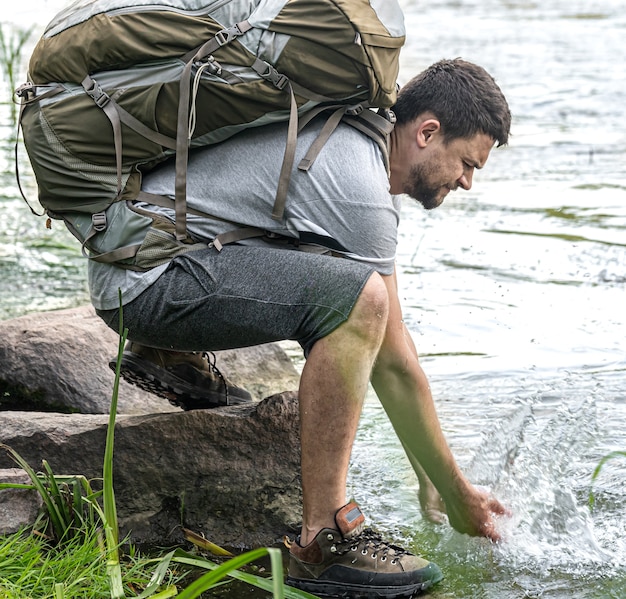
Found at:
[426, 130]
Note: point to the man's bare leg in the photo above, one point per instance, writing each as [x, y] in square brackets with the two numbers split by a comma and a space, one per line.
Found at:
[332, 389]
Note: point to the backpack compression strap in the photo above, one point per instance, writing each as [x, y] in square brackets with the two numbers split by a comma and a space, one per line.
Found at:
[28, 94]
[117, 115]
[265, 71]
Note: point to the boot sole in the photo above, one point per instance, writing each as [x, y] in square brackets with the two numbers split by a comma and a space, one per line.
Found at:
[353, 591]
[431, 575]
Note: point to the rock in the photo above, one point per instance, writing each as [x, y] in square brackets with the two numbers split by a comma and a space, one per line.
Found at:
[230, 473]
[18, 507]
[58, 361]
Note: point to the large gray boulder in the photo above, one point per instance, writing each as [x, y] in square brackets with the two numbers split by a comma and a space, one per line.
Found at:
[231, 473]
[59, 361]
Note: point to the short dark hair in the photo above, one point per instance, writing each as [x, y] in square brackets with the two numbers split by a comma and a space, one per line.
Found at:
[464, 98]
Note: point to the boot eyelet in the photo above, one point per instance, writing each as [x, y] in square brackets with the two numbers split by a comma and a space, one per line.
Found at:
[329, 537]
[373, 556]
[394, 561]
[364, 551]
[333, 549]
[383, 558]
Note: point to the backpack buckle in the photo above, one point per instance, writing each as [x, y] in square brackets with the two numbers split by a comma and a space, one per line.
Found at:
[225, 36]
[271, 74]
[97, 94]
[99, 221]
[388, 115]
[211, 65]
[354, 110]
[26, 91]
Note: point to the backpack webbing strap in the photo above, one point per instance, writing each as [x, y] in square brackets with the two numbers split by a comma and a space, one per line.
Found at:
[117, 115]
[378, 126]
[103, 101]
[99, 225]
[236, 235]
[116, 255]
[182, 125]
[329, 126]
[221, 240]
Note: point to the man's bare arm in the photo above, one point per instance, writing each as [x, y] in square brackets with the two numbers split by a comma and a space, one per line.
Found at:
[404, 391]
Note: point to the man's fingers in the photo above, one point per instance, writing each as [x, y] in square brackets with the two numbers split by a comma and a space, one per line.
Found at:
[489, 531]
[434, 515]
[497, 508]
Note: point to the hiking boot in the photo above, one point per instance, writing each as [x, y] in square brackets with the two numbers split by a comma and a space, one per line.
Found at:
[189, 380]
[354, 562]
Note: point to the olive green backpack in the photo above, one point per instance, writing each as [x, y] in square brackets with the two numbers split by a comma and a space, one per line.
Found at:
[116, 86]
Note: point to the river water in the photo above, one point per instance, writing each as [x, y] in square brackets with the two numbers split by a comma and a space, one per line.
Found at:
[515, 293]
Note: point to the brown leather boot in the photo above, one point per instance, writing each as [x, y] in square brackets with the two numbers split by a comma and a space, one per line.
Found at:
[189, 380]
[354, 562]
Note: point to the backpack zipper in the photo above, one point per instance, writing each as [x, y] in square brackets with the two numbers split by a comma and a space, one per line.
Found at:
[60, 22]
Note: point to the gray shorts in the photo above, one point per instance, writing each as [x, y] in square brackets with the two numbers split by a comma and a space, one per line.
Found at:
[208, 300]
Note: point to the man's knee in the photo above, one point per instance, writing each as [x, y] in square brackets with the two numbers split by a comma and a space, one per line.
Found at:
[370, 311]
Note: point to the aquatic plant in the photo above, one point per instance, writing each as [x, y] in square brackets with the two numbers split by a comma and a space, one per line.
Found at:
[12, 41]
[598, 469]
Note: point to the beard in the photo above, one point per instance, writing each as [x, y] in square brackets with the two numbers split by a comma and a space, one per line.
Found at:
[428, 195]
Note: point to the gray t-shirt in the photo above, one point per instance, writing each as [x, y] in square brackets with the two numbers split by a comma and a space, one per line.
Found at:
[342, 203]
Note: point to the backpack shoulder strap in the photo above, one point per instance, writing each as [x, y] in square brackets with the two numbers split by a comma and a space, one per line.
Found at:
[376, 125]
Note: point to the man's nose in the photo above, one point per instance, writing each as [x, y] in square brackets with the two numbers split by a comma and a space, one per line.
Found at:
[465, 181]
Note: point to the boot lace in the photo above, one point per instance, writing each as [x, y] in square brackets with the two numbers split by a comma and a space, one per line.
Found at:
[211, 359]
[369, 541]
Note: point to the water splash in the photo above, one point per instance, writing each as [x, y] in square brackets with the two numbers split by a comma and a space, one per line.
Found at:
[534, 461]
[537, 462]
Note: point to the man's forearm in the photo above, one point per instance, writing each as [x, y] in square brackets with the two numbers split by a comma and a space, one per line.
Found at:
[406, 397]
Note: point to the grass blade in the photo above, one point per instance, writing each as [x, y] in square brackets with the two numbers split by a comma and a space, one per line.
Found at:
[205, 544]
[158, 576]
[56, 495]
[260, 582]
[210, 579]
[56, 519]
[598, 468]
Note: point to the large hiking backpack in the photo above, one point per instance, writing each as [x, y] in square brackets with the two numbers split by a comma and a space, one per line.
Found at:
[116, 86]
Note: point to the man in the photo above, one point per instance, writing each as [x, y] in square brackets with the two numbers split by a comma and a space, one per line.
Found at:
[339, 301]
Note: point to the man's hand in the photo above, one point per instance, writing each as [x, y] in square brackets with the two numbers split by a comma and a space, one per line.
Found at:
[475, 518]
[474, 514]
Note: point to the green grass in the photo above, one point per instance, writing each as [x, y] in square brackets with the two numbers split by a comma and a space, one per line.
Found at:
[30, 567]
